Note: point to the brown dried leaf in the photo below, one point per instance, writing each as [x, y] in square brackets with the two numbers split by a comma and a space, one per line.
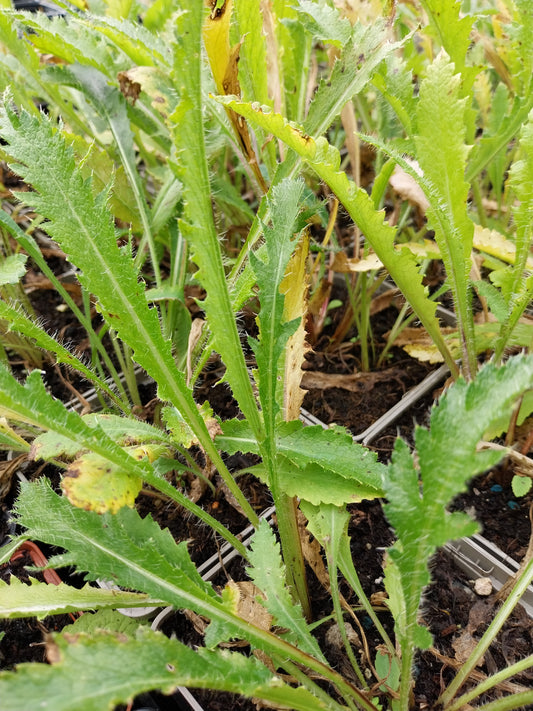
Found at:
[463, 645]
[248, 606]
[408, 189]
[356, 382]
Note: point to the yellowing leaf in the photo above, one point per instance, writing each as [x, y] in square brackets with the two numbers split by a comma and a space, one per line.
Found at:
[494, 243]
[294, 286]
[423, 250]
[216, 40]
[224, 65]
[95, 484]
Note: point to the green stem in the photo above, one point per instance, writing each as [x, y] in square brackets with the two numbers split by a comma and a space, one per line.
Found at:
[289, 533]
[491, 682]
[478, 199]
[337, 608]
[509, 703]
[347, 568]
[490, 634]
[406, 680]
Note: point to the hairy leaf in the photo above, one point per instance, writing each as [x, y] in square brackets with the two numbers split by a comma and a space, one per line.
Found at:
[446, 460]
[143, 47]
[189, 165]
[324, 22]
[42, 599]
[268, 573]
[520, 288]
[274, 329]
[441, 153]
[361, 57]
[99, 671]
[83, 227]
[32, 404]
[124, 548]
[325, 160]
[71, 40]
[12, 269]
[322, 455]
[19, 322]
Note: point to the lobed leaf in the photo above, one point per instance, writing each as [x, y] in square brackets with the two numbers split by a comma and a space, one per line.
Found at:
[99, 671]
[324, 22]
[325, 160]
[190, 166]
[32, 404]
[274, 329]
[42, 599]
[452, 29]
[83, 227]
[18, 321]
[123, 548]
[519, 288]
[319, 465]
[268, 573]
[442, 153]
[71, 40]
[447, 459]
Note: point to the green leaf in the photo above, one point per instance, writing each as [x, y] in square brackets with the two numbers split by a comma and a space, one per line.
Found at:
[520, 289]
[452, 29]
[98, 164]
[71, 40]
[143, 47]
[521, 485]
[442, 153]
[317, 453]
[324, 22]
[321, 485]
[83, 227]
[253, 51]
[446, 460]
[123, 548]
[488, 147]
[197, 225]
[268, 573]
[325, 160]
[111, 105]
[12, 269]
[359, 61]
[274, 331]
[126, 430]
[18, 321]
[106, 619]
[42, 599]
[98, 671]
[32, 404]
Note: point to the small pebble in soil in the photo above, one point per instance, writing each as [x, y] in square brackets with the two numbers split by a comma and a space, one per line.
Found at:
[483, 586]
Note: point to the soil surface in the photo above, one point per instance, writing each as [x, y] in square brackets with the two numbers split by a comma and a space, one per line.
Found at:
[355, 400]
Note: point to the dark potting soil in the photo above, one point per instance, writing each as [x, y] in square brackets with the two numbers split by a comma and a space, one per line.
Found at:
[450, 603]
